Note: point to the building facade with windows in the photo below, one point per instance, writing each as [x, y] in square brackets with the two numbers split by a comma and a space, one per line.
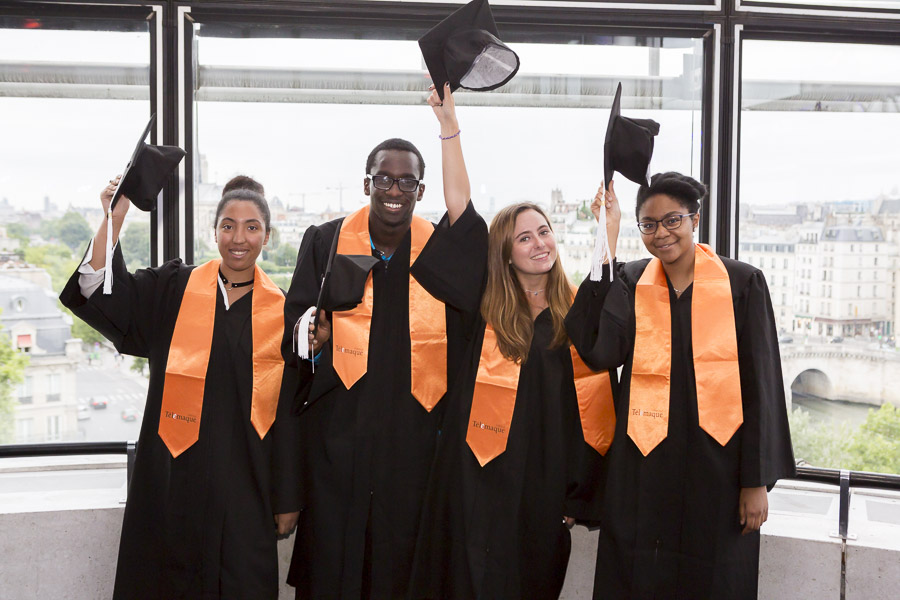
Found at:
[46, 405]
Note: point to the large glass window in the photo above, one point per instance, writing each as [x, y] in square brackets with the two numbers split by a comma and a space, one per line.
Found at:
[301, 115]
[820, 215]
[72, 103]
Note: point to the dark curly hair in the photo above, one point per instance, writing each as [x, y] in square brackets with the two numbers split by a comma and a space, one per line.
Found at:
[243, 182]
[395, 144]
[684, 189]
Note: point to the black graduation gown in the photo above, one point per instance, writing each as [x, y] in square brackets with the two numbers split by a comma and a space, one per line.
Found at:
[368, 450]
[670, 525]
[497, 531]
[200, 525]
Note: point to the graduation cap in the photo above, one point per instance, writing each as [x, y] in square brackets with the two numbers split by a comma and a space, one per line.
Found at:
[141, 182]
[343, 287]
[465, 50]
[147, 171]
[628, 146]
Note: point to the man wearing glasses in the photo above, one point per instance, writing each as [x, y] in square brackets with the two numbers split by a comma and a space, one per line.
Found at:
[371, 411]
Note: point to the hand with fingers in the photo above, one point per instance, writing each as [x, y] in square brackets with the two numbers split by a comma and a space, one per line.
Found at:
[445, 111]
[753, 508]
[106, 196]
[318, 337]
[607, 200]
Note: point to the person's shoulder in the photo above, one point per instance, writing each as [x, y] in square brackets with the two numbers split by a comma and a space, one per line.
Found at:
[740, 273]
[633, 270]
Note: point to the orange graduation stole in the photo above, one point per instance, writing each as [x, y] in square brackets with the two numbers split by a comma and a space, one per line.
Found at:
[494, 401]
[427, 319]
[182, 401]
[714, 344]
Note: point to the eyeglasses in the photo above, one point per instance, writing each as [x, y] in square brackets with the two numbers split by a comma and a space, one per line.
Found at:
[383, 182]
[670, 222]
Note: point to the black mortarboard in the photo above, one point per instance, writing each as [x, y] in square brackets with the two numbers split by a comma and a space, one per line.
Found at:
[345, 277]
[628, 146]
[147, 171]
[465, 50]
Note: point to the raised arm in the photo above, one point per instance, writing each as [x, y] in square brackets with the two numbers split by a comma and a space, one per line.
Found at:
[456, 180]
[613, 214]
[98, 256]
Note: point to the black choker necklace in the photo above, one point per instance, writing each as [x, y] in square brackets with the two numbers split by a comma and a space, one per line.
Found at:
[233, 284]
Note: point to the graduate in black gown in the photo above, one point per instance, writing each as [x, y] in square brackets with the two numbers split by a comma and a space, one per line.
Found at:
[512, 447]
[201, 519]
[701, 428]
[369, 437]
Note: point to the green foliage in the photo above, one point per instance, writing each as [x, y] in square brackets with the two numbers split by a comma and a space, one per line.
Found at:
[71, 229]
[819, 444]
[19, 231]
[136, 245]
[81, 330]
[12, 372]
[282, 280]
[285, 256]
[57, 259]
[874, 446]
[138, 364]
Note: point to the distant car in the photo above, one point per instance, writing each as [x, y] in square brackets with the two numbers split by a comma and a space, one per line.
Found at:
[836, 340]
[84, 412]
[130, 414]
[98, 403]
[785, 339]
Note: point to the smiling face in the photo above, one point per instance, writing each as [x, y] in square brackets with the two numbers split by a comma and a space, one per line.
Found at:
[393, 208]
[240, 235]
[533, 248]
[668, 245]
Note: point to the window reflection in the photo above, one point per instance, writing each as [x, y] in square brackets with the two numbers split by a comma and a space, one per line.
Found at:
[310, 110]
[70, 109]
[820, 215]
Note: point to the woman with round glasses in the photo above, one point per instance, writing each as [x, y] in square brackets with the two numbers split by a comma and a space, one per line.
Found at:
[701, 429]
[504, 475]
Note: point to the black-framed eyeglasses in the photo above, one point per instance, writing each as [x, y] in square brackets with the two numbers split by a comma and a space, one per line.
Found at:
[383, 182]
[670, 222]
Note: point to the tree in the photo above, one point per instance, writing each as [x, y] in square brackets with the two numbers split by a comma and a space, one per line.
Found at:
[138, 364]
[81, 330]
[56, 259]
[19, 231]
[876, 444]
[73, 230]
[285, 256]
[136, 245]
[12, 372]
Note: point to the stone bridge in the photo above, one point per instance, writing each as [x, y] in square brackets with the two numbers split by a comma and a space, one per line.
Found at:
[843, 371]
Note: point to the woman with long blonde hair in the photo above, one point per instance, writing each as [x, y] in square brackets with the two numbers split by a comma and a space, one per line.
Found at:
[504, 479]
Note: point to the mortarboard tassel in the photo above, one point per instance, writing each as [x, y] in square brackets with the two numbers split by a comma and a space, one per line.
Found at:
[301, 336]
[601, 244]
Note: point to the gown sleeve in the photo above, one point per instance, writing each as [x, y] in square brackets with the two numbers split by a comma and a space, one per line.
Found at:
[453, 263]
[130, 317]
[766, 452]
[287, 491]
[600, 321]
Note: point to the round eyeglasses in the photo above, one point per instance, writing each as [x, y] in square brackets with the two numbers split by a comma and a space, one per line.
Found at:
[670, 222]
[383, 182]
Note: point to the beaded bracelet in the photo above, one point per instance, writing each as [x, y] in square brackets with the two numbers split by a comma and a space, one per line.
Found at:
[450, 137]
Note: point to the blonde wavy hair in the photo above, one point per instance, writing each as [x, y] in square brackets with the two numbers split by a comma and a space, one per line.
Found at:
[504, 305]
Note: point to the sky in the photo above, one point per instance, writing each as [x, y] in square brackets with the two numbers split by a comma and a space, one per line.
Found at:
[66, 149]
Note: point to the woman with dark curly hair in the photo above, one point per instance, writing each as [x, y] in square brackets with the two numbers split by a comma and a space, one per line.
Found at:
[701, 428]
